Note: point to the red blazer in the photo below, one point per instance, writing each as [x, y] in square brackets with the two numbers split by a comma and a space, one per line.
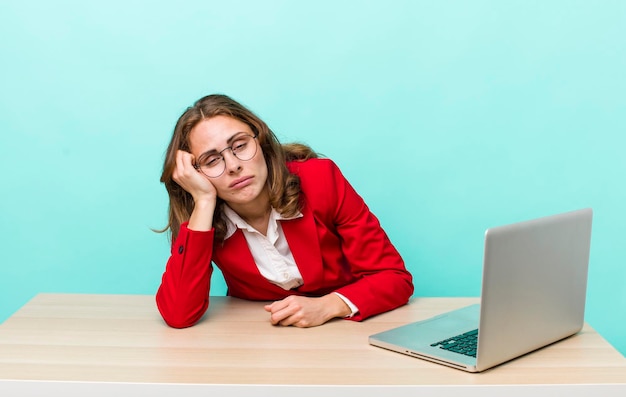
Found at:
[338, 246]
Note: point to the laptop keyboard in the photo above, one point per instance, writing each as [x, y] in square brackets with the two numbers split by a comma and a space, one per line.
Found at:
[463, 343]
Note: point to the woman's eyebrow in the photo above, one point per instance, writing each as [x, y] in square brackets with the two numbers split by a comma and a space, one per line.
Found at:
[232, 138]
[208, 153]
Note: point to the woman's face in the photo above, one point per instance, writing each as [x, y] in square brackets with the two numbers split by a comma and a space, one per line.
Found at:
[243, 183]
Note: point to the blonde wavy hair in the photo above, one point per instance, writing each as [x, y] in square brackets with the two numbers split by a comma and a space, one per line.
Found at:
[284, 187]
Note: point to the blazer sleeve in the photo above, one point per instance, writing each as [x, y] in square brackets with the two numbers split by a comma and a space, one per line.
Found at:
[382, 281]
[183, 296]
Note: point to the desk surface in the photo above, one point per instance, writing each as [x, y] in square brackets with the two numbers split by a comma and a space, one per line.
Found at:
[122, 338]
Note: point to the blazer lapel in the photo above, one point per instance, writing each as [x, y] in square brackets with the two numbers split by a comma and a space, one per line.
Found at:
[301, 235]
[237, 255]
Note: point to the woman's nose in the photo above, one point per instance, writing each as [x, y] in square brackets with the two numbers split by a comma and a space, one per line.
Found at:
[233, 164]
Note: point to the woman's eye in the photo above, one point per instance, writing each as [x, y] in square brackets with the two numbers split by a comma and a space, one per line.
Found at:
[239, 146]
[211, 161]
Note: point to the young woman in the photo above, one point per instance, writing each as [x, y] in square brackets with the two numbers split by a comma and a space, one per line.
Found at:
[281, 224]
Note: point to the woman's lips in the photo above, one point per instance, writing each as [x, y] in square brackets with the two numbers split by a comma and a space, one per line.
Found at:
[241, 182]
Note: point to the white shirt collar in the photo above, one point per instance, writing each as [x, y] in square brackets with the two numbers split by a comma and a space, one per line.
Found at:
[234, 222]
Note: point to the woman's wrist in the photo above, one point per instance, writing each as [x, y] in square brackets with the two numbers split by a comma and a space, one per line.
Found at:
[201, 218]
[338, 308]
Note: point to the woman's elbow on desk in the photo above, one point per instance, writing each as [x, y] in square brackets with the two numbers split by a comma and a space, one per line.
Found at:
[178, 315]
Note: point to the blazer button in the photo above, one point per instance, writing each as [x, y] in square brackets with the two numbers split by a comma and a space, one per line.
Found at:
[180, 249]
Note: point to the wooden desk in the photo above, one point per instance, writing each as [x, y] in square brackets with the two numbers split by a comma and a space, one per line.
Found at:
[118, 344]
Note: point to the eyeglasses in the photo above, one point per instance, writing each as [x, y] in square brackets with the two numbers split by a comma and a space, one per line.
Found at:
[212, 164]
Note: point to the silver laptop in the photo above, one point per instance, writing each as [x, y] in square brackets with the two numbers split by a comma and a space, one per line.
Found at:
[533, 294]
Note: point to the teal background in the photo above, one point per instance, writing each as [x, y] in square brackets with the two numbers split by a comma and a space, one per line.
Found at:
[448, 117]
